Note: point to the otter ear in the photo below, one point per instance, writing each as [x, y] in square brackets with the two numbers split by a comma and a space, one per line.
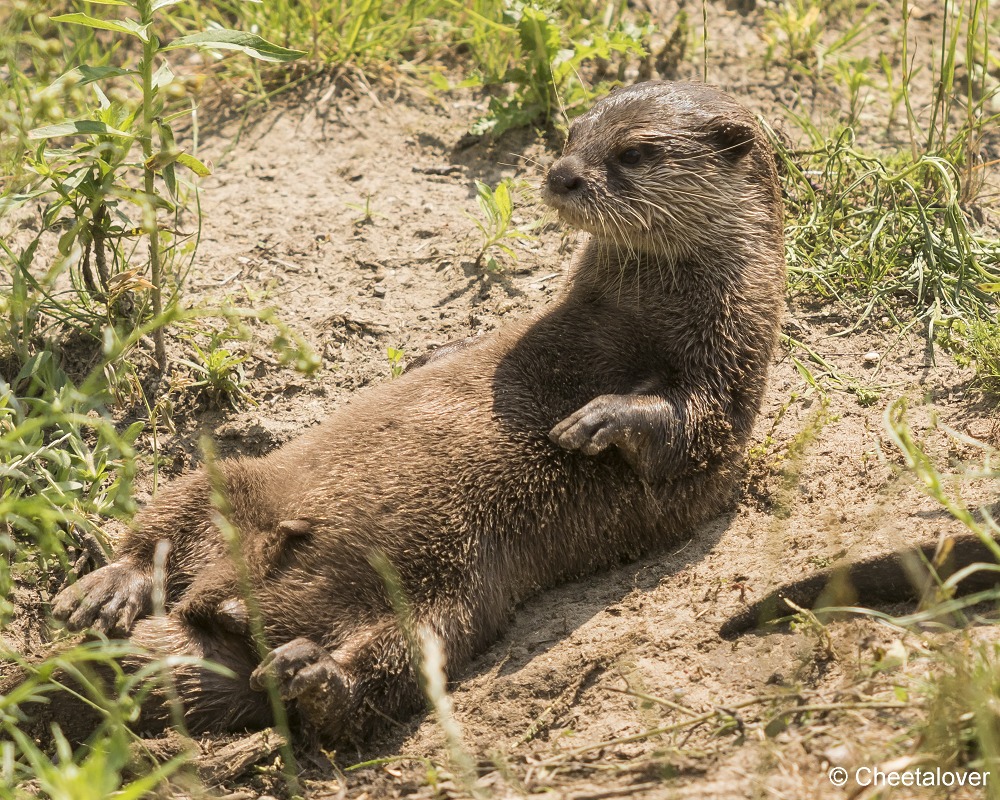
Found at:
[731, 139]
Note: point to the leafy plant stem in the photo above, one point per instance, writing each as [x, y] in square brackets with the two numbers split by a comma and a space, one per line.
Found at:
[149, 47]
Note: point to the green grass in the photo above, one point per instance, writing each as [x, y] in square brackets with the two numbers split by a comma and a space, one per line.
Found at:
[962, 730]
[886, 235]
[961, 689]
[983, 346]
[808, 36]
[64, 465]
[496, 222]
[890, 235]
[539, 59]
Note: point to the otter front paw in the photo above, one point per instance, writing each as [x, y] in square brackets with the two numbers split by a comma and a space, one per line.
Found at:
[606, 420]
[108, 600]
[305, 672]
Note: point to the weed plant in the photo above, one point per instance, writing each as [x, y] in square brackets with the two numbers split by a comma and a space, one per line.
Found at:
[893, 236]
[96, 772]
[962, 690]
[885, 234]
[553, 47]
[94, 195]
[217, 373]
[63, 464]
[797, 33]
[962, 728]
[63, 461]
[496, 223]
[531, 55]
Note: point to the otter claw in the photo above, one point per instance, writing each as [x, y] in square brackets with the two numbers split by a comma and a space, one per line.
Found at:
[109, 600]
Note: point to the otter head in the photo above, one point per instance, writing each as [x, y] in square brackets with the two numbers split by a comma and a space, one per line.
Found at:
[666, 168]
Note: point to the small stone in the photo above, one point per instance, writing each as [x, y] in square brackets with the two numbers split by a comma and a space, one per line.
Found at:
[838, 755]
[379, 290]
[872, 357]
[893, 657]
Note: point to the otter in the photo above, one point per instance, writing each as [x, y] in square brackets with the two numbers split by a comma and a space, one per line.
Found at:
[604, 426]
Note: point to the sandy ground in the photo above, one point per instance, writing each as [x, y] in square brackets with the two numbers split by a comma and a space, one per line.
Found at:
[284, 226]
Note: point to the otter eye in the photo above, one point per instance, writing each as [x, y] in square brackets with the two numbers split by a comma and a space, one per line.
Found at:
[630, 157]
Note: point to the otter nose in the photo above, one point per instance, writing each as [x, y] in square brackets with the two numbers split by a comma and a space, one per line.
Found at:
[566, 176]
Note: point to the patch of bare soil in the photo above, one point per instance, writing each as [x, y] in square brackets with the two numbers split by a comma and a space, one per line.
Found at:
[285, 225]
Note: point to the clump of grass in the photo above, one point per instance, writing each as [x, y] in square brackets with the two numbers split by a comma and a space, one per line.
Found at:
[983, 346]
[962, 728]
[65, 467]
[217, 373]
[797, 33]
[98, 770]
[99, 199]
[891, 235]
[885, 234]
[63, 461]
[545, 50]
[537, 58]
[64, 464]
[361, 34]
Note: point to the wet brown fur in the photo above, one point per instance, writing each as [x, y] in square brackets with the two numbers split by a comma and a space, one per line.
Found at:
[608, 424]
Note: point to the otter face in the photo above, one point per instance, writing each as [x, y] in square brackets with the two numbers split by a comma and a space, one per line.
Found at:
[661, 166]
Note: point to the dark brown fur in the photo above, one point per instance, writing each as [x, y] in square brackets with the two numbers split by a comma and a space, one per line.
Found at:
[608, 424]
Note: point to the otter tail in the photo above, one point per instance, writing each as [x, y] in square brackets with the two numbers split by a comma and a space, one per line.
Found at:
[891, 578]
[191, 689]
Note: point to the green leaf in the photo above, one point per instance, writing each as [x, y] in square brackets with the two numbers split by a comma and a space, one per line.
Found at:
[111, 3]
[79, 126]
[439, 81]
[166, 136]
[158, 161]
[158, 4]
[503, 200]
[170, 178]
[103, 103]
[775, 726]
[193, 164]
[90, 74]
[248, 43]
[66, 240]
[162, 76]
[128, 26]
[132, 432]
